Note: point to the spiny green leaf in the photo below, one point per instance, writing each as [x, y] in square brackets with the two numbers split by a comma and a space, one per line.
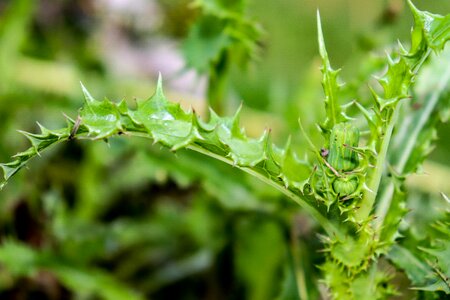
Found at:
[412, 141]
[87, 96]
[372, 120]
[366, 285]
[417, 132]
[224, 139]
[39, 143]
[101, 118]
[167, 123]
[425, 274]
[295, 171]
[330, 85]
[431, 31]
[428, 265]
[395, 83]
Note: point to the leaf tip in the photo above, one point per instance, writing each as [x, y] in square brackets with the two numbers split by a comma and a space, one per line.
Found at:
[87, 96]
[159, 85]
[237, 114]
[212, 114]
[322, 49]
[2, 185]
[445, 197]
[412, 6]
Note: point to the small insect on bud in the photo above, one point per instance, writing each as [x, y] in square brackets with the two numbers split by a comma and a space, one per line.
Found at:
[342, 157]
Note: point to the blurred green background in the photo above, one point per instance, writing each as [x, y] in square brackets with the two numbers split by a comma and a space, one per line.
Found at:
[129, 220]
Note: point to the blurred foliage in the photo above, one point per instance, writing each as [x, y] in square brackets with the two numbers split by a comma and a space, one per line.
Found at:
[125, 220]
[223, 36]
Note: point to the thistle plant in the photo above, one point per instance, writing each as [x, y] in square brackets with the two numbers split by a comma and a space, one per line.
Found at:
[354, 183]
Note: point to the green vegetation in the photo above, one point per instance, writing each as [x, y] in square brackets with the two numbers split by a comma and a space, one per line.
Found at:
[330, 214]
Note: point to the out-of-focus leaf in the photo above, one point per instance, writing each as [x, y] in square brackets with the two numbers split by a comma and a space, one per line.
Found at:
[223, 27]
[22, 260]
[252, 257]
[205, 43]
[13, 30]
[424, 274]
[427, 264]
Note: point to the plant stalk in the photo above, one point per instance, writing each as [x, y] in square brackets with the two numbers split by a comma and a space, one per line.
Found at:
[327, 225]
[386, 196]
[370, 195]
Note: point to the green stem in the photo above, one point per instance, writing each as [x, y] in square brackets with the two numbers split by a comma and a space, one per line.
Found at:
[369, 198]
[328, 226]
[408, 147]
[298, 256]
[374, 183]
